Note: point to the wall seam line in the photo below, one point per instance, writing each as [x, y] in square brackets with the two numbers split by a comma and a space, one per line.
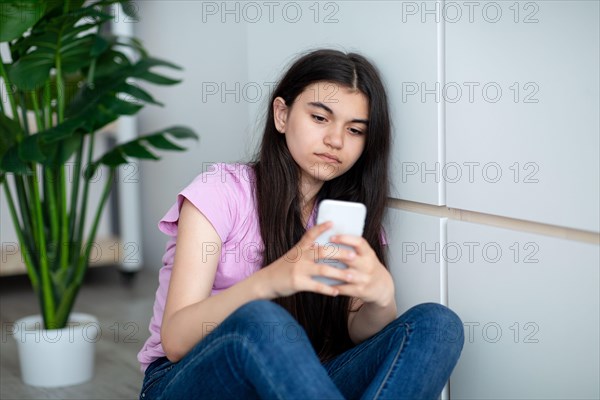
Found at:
[458, 214]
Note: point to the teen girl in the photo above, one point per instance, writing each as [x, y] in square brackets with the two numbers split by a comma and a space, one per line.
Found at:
[237, 314]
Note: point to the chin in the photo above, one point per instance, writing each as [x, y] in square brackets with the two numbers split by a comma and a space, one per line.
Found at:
[328, 172]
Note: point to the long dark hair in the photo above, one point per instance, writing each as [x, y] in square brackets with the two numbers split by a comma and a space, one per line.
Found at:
[324, 318]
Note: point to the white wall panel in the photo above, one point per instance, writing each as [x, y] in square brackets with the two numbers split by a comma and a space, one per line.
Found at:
[402, 46]
[414, 243]
[530, 306]
[532, 116]
[212, 53]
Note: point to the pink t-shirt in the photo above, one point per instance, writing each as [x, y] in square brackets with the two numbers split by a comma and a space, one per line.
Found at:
[224, 194]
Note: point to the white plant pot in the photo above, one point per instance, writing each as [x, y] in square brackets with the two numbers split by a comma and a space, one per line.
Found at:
[57, 357]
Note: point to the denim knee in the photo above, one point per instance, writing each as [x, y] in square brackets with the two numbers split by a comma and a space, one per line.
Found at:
[436, 323]
[261, 310]
[260, 320]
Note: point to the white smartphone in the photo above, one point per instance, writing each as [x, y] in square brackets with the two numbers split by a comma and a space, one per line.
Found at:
[348, 219]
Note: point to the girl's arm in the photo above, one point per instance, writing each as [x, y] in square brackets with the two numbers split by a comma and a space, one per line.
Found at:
[191, 313]
[369, 319]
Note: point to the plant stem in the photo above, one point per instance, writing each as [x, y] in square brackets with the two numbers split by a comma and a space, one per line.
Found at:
[94, 230]
[49, 181]
[79, 233]
[9, 92]
[60, 90]
[91, 72]
[24, 248]
[25, 210]
[74, 198]
[47, 105]
[48, 309]
[24, 114]
[29, 205]
[83, 261]
[78, 169]
[64, 222]
[49, 194]
[36, 109]
[62, 200]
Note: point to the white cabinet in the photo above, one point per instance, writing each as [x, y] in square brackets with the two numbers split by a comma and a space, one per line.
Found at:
[530, 306]
[522, 141]
[403, 47]
[414, 243]
[522, 101]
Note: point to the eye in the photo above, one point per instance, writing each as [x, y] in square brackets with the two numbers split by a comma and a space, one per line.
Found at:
[318, 118]
[356, 131]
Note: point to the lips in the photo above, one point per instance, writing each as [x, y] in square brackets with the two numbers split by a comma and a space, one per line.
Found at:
[329, 157]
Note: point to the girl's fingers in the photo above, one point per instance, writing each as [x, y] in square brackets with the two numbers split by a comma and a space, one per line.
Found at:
[325, 289]
[313, 233]
[313, 285]
[345, 274]
[358, 242]
[331, 252]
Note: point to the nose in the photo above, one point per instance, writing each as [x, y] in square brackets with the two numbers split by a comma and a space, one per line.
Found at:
[335, 137]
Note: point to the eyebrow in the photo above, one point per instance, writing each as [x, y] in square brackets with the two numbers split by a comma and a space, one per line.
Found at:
[318, 104]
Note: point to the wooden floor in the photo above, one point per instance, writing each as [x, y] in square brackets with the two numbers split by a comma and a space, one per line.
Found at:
[123, 310]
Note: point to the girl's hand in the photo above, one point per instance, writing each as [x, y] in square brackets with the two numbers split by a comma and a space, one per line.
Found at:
[293, 272]
[366, 277]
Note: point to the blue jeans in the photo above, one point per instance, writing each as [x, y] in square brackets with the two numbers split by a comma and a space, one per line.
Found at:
[260, 351]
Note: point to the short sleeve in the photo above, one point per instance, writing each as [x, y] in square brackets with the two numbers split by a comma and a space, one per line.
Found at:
[212, 193]
[383, 237]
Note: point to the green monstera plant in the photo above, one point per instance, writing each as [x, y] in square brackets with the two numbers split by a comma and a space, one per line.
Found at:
[64, 78]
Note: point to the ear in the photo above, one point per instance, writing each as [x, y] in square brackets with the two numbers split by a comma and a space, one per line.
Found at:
[280, 112]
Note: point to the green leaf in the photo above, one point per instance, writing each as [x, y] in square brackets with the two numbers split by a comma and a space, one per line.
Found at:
[74, 5]
[113, 158]
[146, 63]
[181, 132]
[62, 131]
[110, 63]
[157, 79]
[29, 149]
[71, 81]
[119, 107]
[100, 46]
[90, 170]
[160, 142]
[11, 131]
[31, 71]
[138, 93]
[62, 151]
[137, 150]
[58, 38]
[16, 17]
[12, 163]
[71, 33]
[76, 54]
[134, 43]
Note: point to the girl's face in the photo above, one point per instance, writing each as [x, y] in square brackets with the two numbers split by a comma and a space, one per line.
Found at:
[324, 129]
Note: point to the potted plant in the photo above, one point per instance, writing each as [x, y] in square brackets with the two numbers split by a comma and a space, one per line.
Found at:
[64, 80]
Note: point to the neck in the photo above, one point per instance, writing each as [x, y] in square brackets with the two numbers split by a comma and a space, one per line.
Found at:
[308, 192]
